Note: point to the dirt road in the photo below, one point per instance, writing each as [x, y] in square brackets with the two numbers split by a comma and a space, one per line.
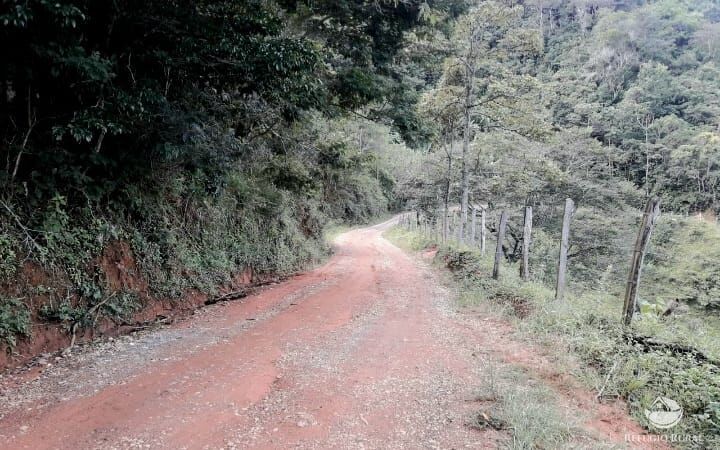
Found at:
[364, 352]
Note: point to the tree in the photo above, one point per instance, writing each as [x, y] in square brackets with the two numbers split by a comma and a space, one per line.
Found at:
[489, 39]
[440, 104]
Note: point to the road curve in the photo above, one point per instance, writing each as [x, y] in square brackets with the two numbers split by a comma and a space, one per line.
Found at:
[364, 352]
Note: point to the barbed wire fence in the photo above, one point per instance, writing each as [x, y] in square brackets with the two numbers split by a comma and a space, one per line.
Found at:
[445, 227]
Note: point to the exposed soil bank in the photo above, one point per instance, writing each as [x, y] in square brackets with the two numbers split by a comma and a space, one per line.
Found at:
[118, 267]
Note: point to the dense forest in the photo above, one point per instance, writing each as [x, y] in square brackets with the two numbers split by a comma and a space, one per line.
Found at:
[607, 103]
[206, 139]
[211, 137]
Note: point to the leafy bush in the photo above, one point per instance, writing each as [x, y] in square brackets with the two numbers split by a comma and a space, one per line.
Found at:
[683, 263]
[64, 313]
[8, 257]
[117, 306]
[14, 320]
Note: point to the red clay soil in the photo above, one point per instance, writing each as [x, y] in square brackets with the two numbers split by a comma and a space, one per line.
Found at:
[121, 273]
[367, 351]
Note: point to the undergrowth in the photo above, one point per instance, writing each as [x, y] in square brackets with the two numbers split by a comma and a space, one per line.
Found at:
[180, 238]
[675, 357]
[14, 320]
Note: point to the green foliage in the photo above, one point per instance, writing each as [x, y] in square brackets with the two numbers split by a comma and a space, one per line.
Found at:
[64, 313]
[14, 321]
[650, 94]
[116, 306]
[350, 190]
[186, 240]
[683, 263]
[99, 94]
[8, 257]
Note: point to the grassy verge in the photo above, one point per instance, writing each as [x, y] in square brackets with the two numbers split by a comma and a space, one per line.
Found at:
[671, 357]
[512, 402]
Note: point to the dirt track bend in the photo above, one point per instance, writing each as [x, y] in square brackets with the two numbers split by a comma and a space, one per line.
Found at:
[364, 352]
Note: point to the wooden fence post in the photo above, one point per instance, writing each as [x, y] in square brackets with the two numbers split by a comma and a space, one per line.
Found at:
[460, 229]
[483, 232]
[564, 244]
[499, 249]
[473, 227]
[652, 212]
[527, 233]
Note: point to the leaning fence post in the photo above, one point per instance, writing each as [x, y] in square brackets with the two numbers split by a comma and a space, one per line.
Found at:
[527, 233]
[652, 212]
[499, 249]
[564, 244]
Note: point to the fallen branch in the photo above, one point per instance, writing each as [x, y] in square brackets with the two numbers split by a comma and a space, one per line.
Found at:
[25, 229]
[96, 309]
[242, 293]
[235, 295]
[649, 344]
[159, 320]
[607, 380]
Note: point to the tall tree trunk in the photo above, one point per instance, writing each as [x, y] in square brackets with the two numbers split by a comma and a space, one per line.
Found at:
[446, 198]
[465, 183]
